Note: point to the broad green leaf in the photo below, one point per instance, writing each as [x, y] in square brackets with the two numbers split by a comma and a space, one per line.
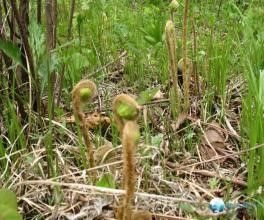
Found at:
[7, 213]
[156, 140]
[147, 95]
[107, 180]
[8, 198]
[11, 50]
[150, 40]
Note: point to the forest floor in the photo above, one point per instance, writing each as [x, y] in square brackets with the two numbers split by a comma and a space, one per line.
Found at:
[186, 156]
[181, 165]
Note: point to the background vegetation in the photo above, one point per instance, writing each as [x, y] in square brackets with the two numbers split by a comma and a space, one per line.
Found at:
[48, 46]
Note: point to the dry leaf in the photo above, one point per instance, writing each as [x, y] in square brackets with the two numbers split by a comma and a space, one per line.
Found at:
[165, 148]
[95, 119]
[214, 134]
[69, 119]
[90, 209]
[213, 142]
[181, 118]
[207, 152]
[159, 95]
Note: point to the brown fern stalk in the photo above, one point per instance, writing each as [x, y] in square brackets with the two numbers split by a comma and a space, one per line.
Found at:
[141, 215]
[130, 139]
[125, 109]
[126, 112]
[194, 48]
[83, 92]
[184, 56]
[171, 46]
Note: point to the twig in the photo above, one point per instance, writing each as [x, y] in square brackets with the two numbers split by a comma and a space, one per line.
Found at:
[221, 157]
[169, 217]
[194, 120]
[232, 130]
[96, 168]
[228, 124]
[212, 174]
[117, 192]
[106, 65]
[157, 102]
[210, 214]
[206, 139]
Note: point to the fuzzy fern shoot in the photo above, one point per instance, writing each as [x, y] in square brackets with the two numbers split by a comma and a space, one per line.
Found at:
[171, 47]
[83, 92]
[124, 108]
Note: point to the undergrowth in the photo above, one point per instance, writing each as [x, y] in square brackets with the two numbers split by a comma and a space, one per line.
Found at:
[194, 145]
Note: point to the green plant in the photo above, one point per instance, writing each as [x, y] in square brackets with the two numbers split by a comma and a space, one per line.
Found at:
[125, 108]
[186, 77]
[11, 50]
[83, 92]
[259, 200]
[253, 113]
[171, 46]
[174, 5]
[126, 111]
[227, 59]
[8, 205]
[130, 138]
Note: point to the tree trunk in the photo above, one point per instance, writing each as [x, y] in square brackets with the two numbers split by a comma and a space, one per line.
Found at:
[21, 22]
[1, 55]
[8, 62]
[70, 20]
[51, 23]
[51, 27]
[24, 11]
[13, 36]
